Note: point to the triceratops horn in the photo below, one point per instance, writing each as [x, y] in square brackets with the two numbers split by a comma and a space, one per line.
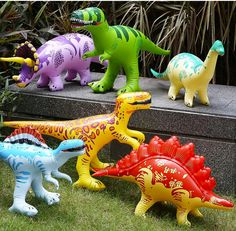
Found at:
[16, 77]
[29, 62]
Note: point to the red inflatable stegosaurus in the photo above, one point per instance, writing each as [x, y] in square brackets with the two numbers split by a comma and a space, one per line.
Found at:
[167, 171]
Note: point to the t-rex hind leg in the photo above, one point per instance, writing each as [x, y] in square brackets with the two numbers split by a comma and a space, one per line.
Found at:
[85, 179]
[132, 75]
[97, 164]
[106, 83]
[21, 188]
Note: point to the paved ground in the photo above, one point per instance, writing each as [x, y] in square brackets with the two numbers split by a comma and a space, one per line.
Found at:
[222, 98]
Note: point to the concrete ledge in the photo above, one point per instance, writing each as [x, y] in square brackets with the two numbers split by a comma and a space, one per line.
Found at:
[211, 128]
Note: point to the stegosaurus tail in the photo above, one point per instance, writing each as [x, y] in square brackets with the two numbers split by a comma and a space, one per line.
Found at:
[26, 135]
[171, 149]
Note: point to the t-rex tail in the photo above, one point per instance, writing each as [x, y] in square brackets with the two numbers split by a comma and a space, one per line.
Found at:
[148, 45]
[51, 128]
[158, 75]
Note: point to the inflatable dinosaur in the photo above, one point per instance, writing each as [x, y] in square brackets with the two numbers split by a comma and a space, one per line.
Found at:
[118, 44]
[26, 152]
[187, 71]
[95, 131]
[52, 58]
[167, 171]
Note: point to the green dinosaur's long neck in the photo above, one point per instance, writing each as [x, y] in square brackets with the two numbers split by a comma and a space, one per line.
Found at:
[209, 65]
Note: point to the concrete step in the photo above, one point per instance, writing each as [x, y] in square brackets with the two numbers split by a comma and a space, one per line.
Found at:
[211, 128]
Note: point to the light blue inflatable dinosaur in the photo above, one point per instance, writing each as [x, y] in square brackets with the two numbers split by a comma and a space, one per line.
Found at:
[26, 152]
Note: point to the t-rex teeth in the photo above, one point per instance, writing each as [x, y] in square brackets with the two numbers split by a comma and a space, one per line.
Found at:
[81, 21]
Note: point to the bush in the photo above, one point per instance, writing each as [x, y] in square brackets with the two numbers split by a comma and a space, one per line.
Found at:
[179, 26]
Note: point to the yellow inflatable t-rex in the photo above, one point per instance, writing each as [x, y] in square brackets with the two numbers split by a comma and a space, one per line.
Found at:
[95, 131]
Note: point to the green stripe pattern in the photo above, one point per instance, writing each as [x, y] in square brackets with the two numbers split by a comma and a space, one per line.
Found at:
[97, 12]
[126, 32]
[133, 31]
[80, 15]
[94, 11]
[90, 14]
[118, 34]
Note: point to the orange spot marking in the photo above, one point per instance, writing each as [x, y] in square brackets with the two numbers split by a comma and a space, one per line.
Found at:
[86, 129]
[94, 125]
[111, 128]
[92, 136]
[97, 132]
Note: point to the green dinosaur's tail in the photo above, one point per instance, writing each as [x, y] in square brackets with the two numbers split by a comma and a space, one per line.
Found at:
[158, 75]
[149, 46]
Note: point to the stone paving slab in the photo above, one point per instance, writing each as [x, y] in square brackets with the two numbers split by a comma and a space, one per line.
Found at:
[222, 98]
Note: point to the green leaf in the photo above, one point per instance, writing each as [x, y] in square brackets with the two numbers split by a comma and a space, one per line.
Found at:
[40, 13]
[2, 9]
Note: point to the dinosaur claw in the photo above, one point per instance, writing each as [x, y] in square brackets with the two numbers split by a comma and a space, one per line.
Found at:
[128, 88]
[189, 105]
[84, 57]
[24, 208]
[99, 87]
[89, 183]
[172, 97]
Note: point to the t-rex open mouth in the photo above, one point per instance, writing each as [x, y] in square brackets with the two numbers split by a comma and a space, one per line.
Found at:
[79, 148]
[78, 22]
[147, 101]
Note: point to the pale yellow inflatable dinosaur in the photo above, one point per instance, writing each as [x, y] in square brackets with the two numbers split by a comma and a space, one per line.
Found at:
[187, 71]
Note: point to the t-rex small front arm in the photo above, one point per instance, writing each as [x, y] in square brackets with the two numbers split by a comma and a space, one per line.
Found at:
[136, 134]
[125, 138]
[90, 54]
[104, 56]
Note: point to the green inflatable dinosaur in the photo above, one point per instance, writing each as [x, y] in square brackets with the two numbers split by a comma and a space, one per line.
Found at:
[118, 44]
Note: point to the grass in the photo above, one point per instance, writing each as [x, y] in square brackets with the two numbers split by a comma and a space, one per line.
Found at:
[111, 209]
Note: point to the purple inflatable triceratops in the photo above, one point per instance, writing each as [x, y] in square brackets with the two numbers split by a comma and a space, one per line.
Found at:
[51, 59]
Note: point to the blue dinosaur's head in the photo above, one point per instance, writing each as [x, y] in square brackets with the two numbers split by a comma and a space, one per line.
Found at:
[87, 18]
[218, 47]
[73, 145]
